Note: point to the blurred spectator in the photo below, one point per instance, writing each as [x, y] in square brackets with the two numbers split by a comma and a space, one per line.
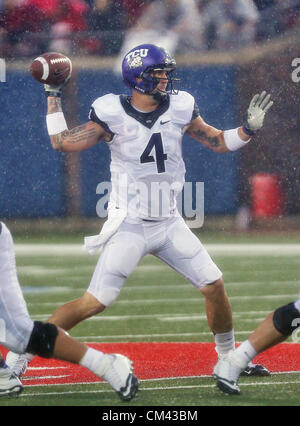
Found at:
[289, 12]
[269, 22]
[70, 17]
[17, 20]
[172, 24]
[134, 9]
[47, 7]
[230, 24]
[29, 27]
[106, 20]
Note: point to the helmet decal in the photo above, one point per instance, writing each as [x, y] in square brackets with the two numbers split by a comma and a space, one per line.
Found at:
[136, 62]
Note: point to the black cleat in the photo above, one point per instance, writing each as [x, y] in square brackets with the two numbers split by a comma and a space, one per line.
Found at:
[130, 390]
[227, 386]
[255, 370]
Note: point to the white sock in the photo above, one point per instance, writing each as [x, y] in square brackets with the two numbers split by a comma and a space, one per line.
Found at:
[245, 352]
[224, 342]
[29, 357]
[91, 359]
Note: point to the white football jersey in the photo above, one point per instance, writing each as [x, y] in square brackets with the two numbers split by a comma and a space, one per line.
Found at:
[147, 168]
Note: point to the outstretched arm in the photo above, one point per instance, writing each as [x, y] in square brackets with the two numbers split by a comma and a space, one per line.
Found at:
[210, 136]
[233, 139]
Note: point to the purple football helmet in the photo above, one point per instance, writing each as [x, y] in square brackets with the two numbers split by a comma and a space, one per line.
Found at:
[141, 61]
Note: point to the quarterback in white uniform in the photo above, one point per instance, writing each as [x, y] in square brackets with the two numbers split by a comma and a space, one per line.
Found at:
[144, 133]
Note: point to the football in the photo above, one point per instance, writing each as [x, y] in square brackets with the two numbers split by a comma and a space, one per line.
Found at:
[51, 68]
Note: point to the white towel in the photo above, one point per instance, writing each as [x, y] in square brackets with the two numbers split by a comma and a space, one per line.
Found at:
[110, 227]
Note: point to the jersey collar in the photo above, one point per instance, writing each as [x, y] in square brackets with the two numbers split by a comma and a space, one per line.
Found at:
[148, 119]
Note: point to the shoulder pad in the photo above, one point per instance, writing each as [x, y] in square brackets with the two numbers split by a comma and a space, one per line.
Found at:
[106, 107]
[182, 106]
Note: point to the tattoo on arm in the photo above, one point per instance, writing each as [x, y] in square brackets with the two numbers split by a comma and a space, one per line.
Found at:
[79, 134]
[57, 140]
[214, 142]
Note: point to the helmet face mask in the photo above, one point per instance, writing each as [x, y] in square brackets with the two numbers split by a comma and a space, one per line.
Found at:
[141, 63]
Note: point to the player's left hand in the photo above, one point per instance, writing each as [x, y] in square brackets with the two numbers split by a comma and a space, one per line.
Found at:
[258, 107]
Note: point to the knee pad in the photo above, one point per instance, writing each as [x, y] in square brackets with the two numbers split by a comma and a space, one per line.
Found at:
[284, 319]
[42, 339]
[109, 293]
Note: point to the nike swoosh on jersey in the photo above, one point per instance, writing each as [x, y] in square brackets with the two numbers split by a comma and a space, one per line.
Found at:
[164, 122]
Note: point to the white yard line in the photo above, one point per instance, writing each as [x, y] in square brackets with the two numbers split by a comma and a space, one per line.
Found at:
[165, 287]
[214, 249]
[42, 270]
[45, 377]
[24, 395]
[168, 301]
[157, 335]
[242, 316]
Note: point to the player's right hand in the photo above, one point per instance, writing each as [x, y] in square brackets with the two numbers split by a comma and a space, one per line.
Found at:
[55, 90]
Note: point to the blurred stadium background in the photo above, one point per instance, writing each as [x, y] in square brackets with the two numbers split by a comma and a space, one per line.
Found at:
[257, 183]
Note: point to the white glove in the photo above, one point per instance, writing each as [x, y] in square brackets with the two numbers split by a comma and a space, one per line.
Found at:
[53, 90]
[258, 107]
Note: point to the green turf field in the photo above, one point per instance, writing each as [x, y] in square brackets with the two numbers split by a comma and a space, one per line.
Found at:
[158, 305]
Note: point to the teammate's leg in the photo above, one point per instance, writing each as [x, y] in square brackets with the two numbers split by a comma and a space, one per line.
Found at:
[49, 341]
[15, 324]
[276, 328]
[19, 333]
[119, 257]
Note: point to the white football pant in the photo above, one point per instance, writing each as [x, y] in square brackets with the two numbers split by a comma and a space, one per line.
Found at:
[170, 240]
[15, 324]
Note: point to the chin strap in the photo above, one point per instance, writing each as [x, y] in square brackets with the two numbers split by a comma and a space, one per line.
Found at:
[159, 96]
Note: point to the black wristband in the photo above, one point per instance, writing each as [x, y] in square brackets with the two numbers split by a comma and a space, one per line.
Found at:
[53, 94]
[248, 131]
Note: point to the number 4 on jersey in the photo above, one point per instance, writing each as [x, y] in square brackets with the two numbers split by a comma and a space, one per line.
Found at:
[155, 142]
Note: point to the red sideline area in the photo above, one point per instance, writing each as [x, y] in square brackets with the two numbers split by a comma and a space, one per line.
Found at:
[157, 360]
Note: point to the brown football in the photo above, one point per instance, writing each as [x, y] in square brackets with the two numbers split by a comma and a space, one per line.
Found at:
[51, 68]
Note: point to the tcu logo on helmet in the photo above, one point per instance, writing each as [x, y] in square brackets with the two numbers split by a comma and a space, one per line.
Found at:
[139, 53]
[136, 62]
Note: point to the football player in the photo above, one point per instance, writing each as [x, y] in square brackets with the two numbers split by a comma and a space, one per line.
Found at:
[144, 134]
[276, 328]
[20, 334]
